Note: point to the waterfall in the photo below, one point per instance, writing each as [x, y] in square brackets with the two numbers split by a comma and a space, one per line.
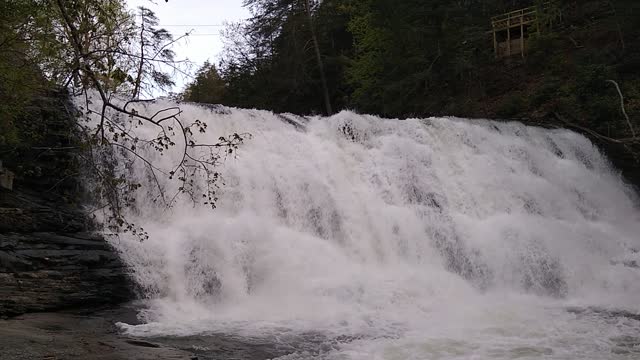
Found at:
[397, 231]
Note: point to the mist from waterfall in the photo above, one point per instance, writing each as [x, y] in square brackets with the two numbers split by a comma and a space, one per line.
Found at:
[395, 239]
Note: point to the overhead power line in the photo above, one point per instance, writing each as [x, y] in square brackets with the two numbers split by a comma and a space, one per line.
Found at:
[193, 25]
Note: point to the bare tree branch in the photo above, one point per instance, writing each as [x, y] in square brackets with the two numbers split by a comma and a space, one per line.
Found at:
[114, 133]
[624, 112]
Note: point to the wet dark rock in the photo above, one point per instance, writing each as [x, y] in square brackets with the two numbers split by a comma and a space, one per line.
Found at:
[555, 148]
[50, 259]
[50, 256]
[72, 335]
[417, 196]
[603, 312]
[463, 261]
[220, 346]
[350, 131]
[293, 120]
[215, 108]
[142, 343]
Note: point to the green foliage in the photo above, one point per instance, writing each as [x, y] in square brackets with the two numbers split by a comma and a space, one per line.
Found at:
[155, 61]
[417, 57]
[19, 84]
[19, 78]
[540, 51]
[207, 88]
[46, 44]
[591, 80]
[368, 66]
[544, 93]
[50, 47]
[512, 105]
[275, 50]
[380, 56]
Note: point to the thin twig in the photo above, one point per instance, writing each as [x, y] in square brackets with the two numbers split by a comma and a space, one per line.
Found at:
[624, 112]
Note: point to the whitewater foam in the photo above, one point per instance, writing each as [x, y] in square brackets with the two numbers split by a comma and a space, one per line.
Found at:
[421, 238]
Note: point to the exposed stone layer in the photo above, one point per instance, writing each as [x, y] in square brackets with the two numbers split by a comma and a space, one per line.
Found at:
[50, 260]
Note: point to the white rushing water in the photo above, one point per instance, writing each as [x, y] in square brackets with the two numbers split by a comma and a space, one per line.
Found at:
[435, 238]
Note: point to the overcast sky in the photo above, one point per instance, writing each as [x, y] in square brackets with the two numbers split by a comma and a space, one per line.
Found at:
[180, 16]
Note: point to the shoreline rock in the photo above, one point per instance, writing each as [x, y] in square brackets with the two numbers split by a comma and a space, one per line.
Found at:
[51, 260]
[72, 335]
[91, 333]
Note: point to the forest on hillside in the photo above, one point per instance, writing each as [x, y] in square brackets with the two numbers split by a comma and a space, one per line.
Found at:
[410, 58]
[435, 57]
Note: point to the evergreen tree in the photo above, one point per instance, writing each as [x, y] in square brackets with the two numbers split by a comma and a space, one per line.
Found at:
[207, 88]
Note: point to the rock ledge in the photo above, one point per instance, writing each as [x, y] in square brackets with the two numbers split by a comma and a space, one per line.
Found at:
[50, 260]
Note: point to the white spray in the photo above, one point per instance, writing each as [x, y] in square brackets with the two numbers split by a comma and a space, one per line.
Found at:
[445, 235]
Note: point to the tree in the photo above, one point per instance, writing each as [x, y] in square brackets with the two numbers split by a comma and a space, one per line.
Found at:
[105, 55]
[207, 87]
[154, 56]
[316, 48]
[21, 79]
[414, 56]
[286, 46]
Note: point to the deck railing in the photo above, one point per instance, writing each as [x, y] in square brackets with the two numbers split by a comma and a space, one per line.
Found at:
[520, 19]
[515, 18]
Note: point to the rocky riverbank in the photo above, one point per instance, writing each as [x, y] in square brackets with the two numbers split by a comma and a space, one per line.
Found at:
[50, 259]
[73, 335]
[92, 334]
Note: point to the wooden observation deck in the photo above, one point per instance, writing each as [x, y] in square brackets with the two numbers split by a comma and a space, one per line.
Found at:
[512, 30]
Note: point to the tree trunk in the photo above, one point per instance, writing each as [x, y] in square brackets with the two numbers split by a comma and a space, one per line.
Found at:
[323, 79]
[136, 88]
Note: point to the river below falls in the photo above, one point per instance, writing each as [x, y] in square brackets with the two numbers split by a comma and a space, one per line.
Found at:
[532, 331]
[563, 333]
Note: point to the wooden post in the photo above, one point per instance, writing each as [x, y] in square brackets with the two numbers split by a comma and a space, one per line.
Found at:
[522, 36]
[6, 178]
[509, 36]
[495, 42]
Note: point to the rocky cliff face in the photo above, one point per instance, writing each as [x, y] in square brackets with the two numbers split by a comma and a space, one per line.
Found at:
[49, 258]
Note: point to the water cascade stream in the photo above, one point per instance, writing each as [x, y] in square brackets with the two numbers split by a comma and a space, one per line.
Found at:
[438, 238]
